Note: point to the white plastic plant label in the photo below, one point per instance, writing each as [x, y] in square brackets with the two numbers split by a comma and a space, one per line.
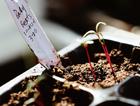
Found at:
[32, 32]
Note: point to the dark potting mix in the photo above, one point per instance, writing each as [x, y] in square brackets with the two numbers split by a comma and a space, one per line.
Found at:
[82, 73]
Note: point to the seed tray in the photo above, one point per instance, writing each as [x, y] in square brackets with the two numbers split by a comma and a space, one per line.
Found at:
[120, 94]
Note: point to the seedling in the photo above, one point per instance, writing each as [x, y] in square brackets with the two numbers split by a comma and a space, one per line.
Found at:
[29, 89]
[102, 41]
[85, 45]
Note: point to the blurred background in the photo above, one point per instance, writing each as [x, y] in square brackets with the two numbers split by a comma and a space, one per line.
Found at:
[63, 21]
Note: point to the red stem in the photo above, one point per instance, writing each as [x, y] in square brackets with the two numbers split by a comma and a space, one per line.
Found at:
[89, 61]
[39, 103]
[108, 57]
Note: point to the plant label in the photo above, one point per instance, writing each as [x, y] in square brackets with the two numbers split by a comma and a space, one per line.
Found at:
[32, 32]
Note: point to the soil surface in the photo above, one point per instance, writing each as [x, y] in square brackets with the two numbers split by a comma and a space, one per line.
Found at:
[19, 95]
[31, 92]
[81, 73]
[54, 93]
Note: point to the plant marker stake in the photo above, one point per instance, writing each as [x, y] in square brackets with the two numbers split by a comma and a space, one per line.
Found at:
[32, 32]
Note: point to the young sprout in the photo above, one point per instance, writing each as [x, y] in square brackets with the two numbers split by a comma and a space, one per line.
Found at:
[85, 45]
[29, 89]
[102, 41]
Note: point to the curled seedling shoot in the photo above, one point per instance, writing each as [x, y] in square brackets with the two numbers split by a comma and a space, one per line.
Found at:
[102, 41]
[85, 45]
